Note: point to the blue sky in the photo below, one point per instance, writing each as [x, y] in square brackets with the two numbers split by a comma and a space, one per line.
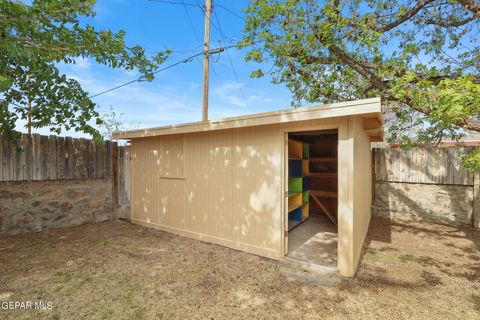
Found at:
[175, 96]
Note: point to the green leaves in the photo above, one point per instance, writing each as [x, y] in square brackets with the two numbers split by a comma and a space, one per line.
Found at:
[471, 160]
[421, 57]
[33, 39]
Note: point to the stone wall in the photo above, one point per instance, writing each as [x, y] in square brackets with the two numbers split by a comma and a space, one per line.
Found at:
[27, 206]
[449, 204]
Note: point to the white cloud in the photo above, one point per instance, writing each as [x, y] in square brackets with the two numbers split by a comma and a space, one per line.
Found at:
[231, 93]
[194, 85]
[239, 95]
[82, 63]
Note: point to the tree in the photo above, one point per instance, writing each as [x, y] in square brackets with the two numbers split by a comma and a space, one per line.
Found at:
[422, 57]
[34, 38]
[113, 122]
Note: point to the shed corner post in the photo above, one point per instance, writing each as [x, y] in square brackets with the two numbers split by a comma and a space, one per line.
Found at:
[346, 266]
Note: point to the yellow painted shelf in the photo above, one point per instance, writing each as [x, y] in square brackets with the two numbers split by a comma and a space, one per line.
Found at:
[292, 207]
[295, 150]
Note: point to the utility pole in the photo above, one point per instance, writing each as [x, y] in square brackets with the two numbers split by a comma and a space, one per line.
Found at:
[206, 52]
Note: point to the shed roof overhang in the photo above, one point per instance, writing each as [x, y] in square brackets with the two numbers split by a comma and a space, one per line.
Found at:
[369, 109]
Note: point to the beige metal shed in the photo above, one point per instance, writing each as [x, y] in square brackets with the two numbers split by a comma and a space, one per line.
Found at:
[231, 181]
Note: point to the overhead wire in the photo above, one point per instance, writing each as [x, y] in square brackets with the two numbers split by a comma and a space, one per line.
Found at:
[229, 57]
[230, 11]
[217, 78]
[183, 3]
[195, 56]
[202, 7]
[142, 78]
[197, 4]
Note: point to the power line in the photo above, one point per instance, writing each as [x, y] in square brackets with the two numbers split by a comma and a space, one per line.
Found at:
[203, 10]
[217, 78]
[192, 25]
[199, 5]
[220, 6]
[229, 58]
[183, 3]
[142, 78]
[230, 11]
[190, 21]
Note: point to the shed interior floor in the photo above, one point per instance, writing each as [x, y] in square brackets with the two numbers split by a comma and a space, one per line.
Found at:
[314, 241]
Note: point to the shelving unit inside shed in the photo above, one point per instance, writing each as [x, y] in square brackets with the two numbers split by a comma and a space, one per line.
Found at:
[312, 171]
[298, 194]
[323, 172]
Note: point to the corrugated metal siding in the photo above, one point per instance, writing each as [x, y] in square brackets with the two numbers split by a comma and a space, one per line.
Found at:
[231, 191]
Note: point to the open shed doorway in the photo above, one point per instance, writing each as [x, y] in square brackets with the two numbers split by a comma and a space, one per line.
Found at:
[313, 197]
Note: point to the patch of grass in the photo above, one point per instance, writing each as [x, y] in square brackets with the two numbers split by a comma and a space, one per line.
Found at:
[55, 316]
[389, 256]
[165, 315]
[115, 270]
[431, 279]
[85, 281]
[106, 314]
[408, 258]
[475, 298]
[139, 314]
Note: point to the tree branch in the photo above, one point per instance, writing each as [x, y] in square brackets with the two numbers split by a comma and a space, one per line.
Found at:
[406, 16]
[358, 66]
[311, 59]
[471, 5]
[447, 24]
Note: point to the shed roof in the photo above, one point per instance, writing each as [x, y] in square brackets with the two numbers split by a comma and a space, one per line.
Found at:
[365, 107]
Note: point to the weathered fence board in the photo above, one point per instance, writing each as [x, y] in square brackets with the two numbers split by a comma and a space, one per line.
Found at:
[124, 182]
[52, 157]
[422, 165]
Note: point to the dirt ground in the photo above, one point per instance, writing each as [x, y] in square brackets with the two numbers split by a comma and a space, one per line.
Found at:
[116, 270]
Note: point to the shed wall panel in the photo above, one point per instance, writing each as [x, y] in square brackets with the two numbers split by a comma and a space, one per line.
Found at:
[231, 191]
[362, 188]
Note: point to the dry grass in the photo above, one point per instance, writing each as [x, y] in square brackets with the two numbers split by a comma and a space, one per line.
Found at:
[117, 270]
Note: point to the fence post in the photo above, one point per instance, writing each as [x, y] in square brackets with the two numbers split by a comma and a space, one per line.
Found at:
[115, 179]
[374, 177]
[476, 200]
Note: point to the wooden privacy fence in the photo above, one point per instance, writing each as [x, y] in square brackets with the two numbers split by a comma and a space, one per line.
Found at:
[426, 184]
[52, 157]
[422, 165]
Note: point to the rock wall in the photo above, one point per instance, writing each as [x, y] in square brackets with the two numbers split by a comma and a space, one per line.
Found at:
[412, 201]
[27, 206]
